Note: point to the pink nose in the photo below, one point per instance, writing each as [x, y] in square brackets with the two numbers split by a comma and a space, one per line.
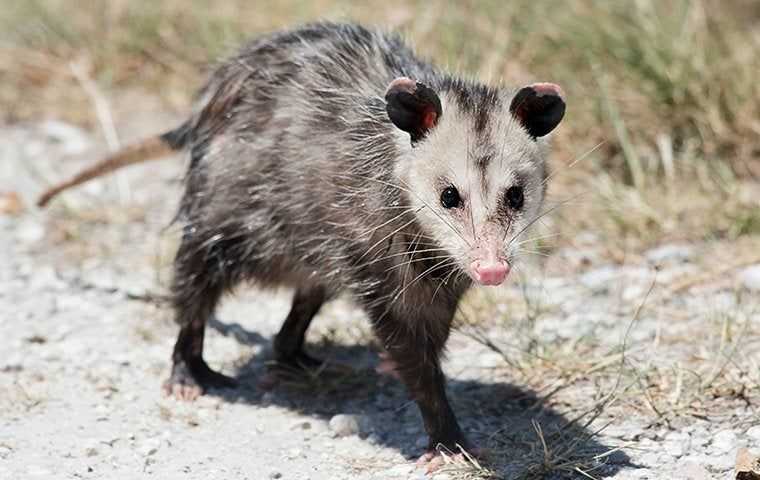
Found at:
[489, 273]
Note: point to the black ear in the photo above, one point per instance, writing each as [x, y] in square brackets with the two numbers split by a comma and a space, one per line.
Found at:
[539, 108]
[412, 106]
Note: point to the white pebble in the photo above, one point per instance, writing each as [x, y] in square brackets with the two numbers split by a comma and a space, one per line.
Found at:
[754, 433]
[677, 443]
[599, 279]
[669, 253]
[150, 447]
[750, 278]
[30, 231]
[724, 441]
[344, 425]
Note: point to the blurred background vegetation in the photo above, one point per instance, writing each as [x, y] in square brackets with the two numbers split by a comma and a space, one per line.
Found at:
[662, 136]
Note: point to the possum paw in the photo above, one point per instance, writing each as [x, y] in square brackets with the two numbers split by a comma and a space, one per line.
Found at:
[432, 460]
[186, 383]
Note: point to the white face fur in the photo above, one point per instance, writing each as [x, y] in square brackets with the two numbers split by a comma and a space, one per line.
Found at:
[477, 188]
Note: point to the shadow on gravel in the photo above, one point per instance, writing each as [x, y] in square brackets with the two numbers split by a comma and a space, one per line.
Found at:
[501, 417]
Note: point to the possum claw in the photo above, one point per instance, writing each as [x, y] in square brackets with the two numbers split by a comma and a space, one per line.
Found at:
[187, 393]
[187, 383]
[431, 461]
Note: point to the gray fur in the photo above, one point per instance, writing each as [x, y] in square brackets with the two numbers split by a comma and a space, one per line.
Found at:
[299, 178]
[294, 157]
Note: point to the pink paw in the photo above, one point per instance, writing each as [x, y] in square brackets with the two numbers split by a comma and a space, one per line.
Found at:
[432, 461]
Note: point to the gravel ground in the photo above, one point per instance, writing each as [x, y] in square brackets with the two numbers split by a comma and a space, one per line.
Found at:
[86, 349]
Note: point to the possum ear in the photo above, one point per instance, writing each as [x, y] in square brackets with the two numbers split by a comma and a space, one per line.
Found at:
[539, 108]
[412, 106]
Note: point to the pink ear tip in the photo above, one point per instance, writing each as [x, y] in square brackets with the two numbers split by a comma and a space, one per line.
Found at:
[546, 88]
[404, 84]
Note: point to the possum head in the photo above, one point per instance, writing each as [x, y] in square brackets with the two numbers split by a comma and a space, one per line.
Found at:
[475, 168]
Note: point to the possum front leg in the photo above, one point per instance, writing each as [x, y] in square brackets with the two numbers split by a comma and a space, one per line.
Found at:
[416, 354]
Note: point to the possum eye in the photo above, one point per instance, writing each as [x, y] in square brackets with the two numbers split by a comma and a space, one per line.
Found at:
[450, 198]
[514, 197]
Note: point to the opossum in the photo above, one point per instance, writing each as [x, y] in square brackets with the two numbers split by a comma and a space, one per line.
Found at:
[330, 158]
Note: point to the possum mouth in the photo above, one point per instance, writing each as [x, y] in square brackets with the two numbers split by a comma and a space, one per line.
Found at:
[490, 273]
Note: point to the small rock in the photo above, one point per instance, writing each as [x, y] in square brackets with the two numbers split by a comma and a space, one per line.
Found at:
[91, 448]
[489, 360]
[275, 475]
[721, 463]
[754, 433]
[71, 138]
[692, 470]
[5, 452]
[344, 425]
[750, 278]
[677, 443]
[301, 425]
[652, 460]
[150, 447]
[671, 253]
[724, 441]
[30, 231]
[14, 363]
[293, 453]
[699, 438]
[633, 292]
[598, 280]
[618, 457]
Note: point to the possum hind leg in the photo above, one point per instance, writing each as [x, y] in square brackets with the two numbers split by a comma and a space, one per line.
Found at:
[198, 284]
[288, 344]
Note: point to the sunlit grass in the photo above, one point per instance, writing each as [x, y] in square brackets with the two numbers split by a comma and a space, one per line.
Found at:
[667, 89]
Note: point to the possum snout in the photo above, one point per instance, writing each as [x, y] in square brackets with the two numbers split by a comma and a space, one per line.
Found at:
[488, 265]
[489, 272]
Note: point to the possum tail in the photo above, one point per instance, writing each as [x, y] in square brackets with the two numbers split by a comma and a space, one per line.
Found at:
[151, 148]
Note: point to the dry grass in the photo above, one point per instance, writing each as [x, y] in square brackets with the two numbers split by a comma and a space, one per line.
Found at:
[663, 94]
[695, 372]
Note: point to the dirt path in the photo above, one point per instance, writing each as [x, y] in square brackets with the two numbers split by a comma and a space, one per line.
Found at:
[85, 350]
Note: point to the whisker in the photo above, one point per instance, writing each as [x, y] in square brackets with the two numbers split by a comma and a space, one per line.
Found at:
[416, 260]
[539, 216]
[442, 283]
[400, 254]
[386, 237]
[441, 264]
[572, 164]
[534, 252]
[375, 228]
